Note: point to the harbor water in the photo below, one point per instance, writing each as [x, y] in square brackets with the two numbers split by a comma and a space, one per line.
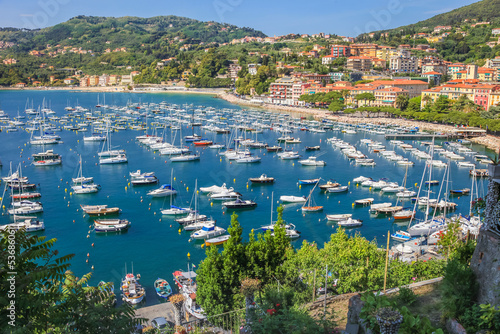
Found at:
[154, 243]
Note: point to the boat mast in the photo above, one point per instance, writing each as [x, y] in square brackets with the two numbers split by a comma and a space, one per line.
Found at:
[430, 178]
[472, 190]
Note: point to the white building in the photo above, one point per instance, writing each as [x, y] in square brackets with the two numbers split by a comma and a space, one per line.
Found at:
[403, 63]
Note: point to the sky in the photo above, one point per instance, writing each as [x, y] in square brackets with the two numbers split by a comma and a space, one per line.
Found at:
[346, 18]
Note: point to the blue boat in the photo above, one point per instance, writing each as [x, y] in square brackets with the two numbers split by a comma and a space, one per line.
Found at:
[311, 181]
[163, 288]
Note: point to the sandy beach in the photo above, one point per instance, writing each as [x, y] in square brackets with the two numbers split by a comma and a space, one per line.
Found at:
[489, 141]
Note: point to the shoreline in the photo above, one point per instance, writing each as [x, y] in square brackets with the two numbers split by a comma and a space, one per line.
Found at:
[489, 141]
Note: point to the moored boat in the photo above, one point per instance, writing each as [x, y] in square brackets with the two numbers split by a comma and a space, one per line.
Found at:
[111, 225]
[99, 210]
[218, 240]
[163, 288]
[262, 179]
[132, 292]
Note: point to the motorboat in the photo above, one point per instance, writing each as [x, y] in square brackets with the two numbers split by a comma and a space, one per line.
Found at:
[338, 189]
[163, 191]
[349, 222]
[248, 159]
[375, 207]
[185, 157]
[47, 158]
[29, 224]
[364, 201]
[132, 292]
[85, 188]
[261, 179]
[224, 196]
[26, 210]
[191, 218]
[312, 148]
[310, 181]
[111, 225]
[312, 161]
[288, 155]
[176, 211]
[117, 159]
[142, 180]
[404, 214]
[240, 204]
[217, 240]
[99, 210]
[208, 232]
[163, 288]
[215, 189]
[401, 236]
[361, 179]
[328, 185]
[198, 225]
[138, 173]
[293, 199]
[339, 217]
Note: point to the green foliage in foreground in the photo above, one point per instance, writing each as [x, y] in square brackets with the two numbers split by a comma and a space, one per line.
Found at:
[48, 297]
[354, 264]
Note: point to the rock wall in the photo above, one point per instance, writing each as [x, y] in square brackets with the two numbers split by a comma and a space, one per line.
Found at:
[486, 265]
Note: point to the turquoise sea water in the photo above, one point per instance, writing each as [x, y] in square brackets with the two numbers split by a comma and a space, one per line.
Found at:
[153, 242]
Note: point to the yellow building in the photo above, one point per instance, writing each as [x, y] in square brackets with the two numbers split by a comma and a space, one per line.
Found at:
[435, 39]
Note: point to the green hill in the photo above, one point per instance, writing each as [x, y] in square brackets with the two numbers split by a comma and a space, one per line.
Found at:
[485, 10]
[99, 33]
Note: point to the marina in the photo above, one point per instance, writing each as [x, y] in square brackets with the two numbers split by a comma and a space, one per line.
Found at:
[346, 152]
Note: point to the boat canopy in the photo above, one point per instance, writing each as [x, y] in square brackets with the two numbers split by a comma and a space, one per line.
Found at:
[176, 207]
[166, 186]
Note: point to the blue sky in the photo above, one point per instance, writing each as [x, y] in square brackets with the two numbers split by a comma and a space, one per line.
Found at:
[272, 17]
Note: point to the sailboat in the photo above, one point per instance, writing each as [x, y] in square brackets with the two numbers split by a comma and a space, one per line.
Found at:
[111, 156]
[165, 189]
[84, 185]
[309, 204]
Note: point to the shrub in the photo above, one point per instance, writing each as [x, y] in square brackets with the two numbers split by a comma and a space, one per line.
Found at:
[406, 296]
[459, 288]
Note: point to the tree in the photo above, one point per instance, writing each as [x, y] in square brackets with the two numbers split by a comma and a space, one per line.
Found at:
[365, 97]
[48, 297]
[402, 101]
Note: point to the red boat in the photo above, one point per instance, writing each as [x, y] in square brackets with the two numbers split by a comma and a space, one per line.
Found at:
[26, 195]
[203, 143]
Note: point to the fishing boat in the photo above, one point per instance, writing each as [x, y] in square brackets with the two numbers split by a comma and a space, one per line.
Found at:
[339, 217]
[218, 240]
[309, 205]
[99, 210]
[310, 181]
[349, 222]
[132, 292]
[208, 232]
[192, 307]
[262, 179]
[311, 161]
[240, 204]
[163, 288]
[184, 280]
[111, 225]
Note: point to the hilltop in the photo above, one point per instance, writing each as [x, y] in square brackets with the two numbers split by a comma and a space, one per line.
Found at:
[485, 10]
[99, 33]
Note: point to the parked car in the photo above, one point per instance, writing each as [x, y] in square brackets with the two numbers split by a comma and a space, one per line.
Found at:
[162, 324]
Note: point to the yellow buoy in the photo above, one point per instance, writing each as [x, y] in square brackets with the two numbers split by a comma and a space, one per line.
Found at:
[349, 183]
[202, 245]
[211, 203]
[234, 180]
[125, 188]
[197, 192]
[300, 186]
[353, 204]
[65, 190]
[357, 184]
[179, 231]
[174, 178]
[187, 188]
[416, 184]
[370, 188]
[189, 255]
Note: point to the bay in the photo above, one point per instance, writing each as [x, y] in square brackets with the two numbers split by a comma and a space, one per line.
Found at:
[153, 243]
